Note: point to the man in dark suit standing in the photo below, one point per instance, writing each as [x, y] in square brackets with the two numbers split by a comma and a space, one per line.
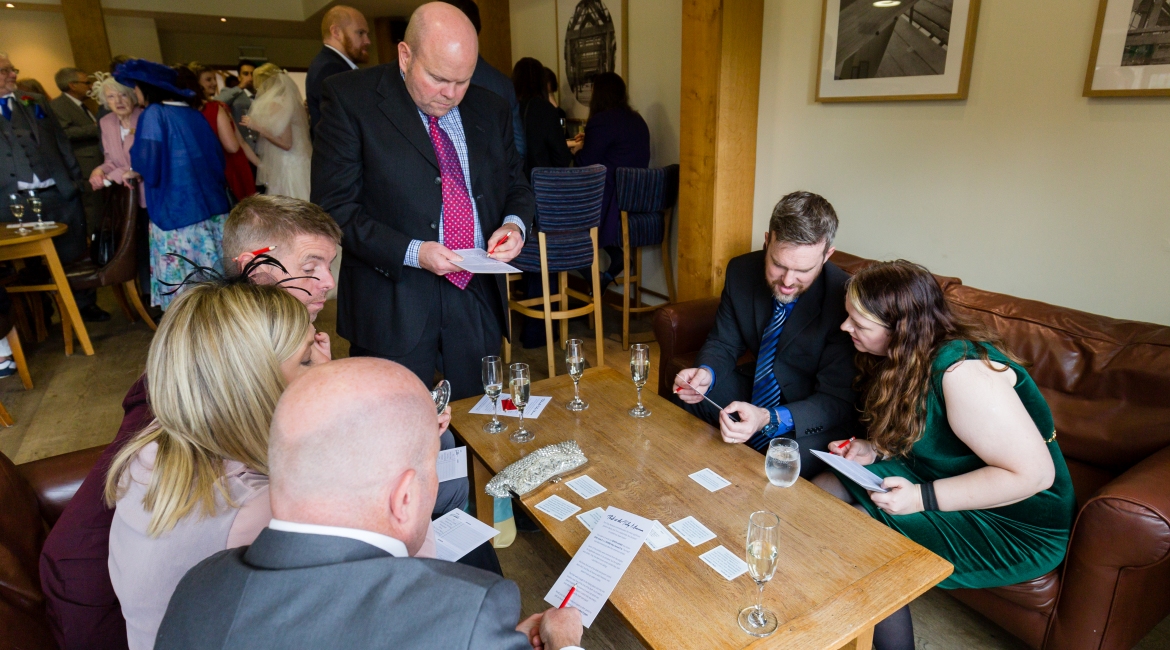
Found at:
[785, 305]
[37, 159]
[346, 43]
[415, 162]
[351, 459]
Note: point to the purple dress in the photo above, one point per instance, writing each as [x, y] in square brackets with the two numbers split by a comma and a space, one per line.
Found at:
[614, 138]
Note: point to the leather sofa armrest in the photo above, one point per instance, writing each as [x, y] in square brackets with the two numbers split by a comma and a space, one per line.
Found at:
[681, 328]
[1118, 563]
[56, 479]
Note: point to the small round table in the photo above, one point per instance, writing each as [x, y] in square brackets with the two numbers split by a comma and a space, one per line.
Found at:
[39, 243]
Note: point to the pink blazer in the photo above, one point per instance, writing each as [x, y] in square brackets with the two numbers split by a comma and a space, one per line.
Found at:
[117, 150]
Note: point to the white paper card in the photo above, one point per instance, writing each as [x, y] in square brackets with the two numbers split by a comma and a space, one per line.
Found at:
[659, 538]
[452, 464]
[853, 470]
[532, 409]
[586, 487]
[476, 260]
[710, 480]
[457, 533]
[557, 508]
[692, 531]
[600, 562]
[725, 562]
[590, 519]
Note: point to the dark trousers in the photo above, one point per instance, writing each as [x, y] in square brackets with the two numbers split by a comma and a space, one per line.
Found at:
[737, 387]
[71, 246]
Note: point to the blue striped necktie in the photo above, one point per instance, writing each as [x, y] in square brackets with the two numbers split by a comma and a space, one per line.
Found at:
[765, 391]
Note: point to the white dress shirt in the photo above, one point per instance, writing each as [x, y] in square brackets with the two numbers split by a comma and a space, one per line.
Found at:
[389, 544]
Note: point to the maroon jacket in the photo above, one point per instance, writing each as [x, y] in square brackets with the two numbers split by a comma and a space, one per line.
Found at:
[75, 574]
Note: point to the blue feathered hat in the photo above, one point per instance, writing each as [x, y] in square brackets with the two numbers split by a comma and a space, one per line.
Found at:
[137, 71]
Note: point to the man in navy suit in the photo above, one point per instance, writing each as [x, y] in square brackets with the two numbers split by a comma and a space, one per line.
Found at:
[346, 43]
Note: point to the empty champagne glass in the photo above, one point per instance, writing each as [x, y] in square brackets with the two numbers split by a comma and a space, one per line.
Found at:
[640, 370]
[782, 462]
[521, 386]
[763, 545]
[492, 372]
[575, 360]
[17, 208]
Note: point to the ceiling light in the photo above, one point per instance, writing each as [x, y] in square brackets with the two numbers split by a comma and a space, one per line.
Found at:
[887, 3]
[10, 5]
[223, 20]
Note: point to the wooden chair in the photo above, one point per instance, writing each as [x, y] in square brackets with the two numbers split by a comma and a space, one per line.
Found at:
[646, 198]
[568, 213]
[6, 323]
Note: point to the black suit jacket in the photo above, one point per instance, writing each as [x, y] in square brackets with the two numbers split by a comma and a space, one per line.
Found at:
[545, 136]
[297, 590]
[375, 171]
[326, 64]
[814, 358]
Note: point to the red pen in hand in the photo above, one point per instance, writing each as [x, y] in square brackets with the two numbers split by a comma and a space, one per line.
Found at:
[846, 443]
[505, 238]
[567, 597]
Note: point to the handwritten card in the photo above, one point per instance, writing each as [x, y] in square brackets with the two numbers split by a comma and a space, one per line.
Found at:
[725, 562]
[557, 508]
[590, 519]
[452, 464]
[476, 260]
[457, 533]
[659, 538]
[692, 531]
[600, 562]
[532, 409]
[710, 480]
[586, 487]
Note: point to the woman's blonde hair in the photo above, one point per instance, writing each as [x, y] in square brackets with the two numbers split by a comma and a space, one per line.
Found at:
[213, 376]
[261, 75]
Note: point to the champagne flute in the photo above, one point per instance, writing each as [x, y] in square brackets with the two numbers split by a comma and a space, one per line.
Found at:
[35, 205]
[575, 360]
[763, 545]
[17, 208]
[492, 372]
[640, 370]
[521, 386]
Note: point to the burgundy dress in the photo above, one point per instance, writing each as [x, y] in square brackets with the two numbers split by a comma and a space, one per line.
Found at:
[75, 574]
[236, 167]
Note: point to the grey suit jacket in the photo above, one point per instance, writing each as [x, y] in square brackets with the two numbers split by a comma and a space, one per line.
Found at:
[296, 590]
[85, 135]
[52, 145]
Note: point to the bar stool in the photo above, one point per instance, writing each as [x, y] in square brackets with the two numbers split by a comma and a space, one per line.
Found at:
[646, 198]
[568, 212]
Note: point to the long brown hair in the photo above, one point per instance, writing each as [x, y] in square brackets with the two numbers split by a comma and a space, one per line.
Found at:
[905, 298]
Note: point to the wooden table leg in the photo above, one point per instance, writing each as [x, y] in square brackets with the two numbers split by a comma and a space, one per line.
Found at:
[66, 293]
[485, 505]
[864, 641]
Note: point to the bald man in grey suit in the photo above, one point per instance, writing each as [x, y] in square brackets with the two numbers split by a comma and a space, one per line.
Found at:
[334, 569]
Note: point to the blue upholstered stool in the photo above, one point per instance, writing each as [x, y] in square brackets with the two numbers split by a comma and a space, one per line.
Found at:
[568, 212]
[646, 198]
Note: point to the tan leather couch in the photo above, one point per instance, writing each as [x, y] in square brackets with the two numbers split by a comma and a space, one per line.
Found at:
[1108, 384]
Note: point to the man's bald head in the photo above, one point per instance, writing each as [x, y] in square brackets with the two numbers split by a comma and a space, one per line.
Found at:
[438, 56]
[345, 29]
[354, 444]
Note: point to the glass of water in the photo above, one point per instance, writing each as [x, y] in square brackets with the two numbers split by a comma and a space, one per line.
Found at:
[763, 546]
[492, 372]
[575, 360]
[782, 462]
[521, 386]
[640, 371]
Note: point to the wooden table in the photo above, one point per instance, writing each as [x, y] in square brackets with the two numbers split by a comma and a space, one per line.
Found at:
[39, 243]
[840, 572]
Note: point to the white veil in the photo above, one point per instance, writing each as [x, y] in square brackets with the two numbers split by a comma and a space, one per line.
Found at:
[277, 99]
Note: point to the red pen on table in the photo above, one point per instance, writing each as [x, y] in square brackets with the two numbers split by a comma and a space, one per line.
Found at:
[567, 597]
[506, 236]
[846, 443]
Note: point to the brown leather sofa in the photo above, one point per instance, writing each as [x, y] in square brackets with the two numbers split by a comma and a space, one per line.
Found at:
[1108, 384]
[32, 497]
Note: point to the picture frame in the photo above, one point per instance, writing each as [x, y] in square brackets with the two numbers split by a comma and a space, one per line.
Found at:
[597, 34]
[895, 50]
[1130, 56]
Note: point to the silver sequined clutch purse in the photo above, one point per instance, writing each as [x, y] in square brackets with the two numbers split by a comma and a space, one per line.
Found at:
[528, 473]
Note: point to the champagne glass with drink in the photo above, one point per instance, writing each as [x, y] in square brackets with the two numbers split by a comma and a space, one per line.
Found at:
[640, 370]
[763, 545]
[782, 462]
[17, 208]
[575, 360]
[34, 204]
[492, 372]
[521, 386]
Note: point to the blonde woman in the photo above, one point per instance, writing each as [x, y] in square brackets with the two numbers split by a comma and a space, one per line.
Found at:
[284, 147]
[194, 482]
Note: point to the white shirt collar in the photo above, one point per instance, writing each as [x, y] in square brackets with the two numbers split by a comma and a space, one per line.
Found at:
[352, 65]
[389, 544]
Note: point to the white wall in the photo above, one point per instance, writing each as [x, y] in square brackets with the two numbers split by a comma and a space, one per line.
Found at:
[1026, 188]
[37, 43]
[213, 49]
[534, 31]
[133, 36]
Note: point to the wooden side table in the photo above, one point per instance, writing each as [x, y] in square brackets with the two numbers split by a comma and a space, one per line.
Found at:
[39, 243]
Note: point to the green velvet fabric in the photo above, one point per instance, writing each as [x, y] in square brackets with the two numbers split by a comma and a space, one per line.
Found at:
[992, 547]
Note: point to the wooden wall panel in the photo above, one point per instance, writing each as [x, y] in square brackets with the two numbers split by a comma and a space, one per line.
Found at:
[87, 34]
[495, 38]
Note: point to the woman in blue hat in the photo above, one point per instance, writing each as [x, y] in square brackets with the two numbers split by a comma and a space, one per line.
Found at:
[182, 168]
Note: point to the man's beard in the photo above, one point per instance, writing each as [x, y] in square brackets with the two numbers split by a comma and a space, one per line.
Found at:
[352, 51]
[784, 299]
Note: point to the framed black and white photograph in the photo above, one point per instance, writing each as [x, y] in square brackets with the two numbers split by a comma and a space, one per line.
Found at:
[891, 50]
[1131, 50]
[590, 39]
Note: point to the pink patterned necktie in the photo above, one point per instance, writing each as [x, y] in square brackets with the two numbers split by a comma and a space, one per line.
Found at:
[458, 217]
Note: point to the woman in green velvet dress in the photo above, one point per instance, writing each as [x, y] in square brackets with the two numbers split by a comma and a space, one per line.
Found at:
[958, 430]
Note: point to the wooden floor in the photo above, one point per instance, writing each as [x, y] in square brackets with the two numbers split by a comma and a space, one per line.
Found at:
[76, 403]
